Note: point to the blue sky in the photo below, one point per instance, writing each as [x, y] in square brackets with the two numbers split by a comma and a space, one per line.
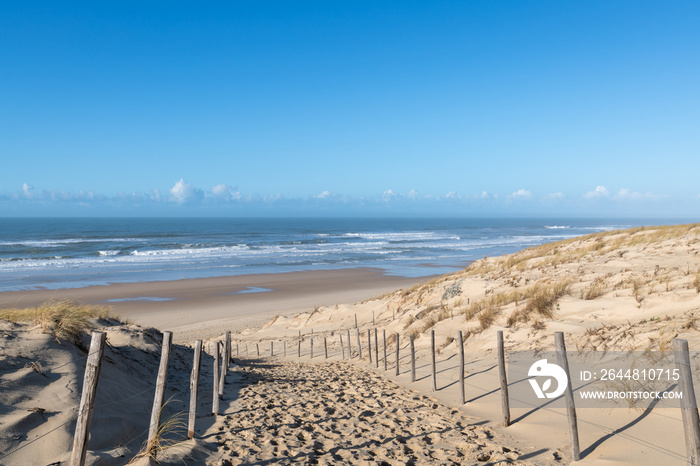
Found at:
[350, 108]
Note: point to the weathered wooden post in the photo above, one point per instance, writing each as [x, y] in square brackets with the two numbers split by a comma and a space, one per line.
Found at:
[413, 358]
[384, 336]
[356, 320]
[228, 350]
[460, 341]
[342, 347]
[87, 398]
[568, 395]
[237, 352]
[369, 345]
[222, 374]
[397, 354]
[272, 348]
[359, 344]
[299, 349]
[432, 352]
[376, 349]
[349, 346]
[372, 318]
[325, 346]
[505, 403]
[194, 387]
[257, 349]
[689, 407]
[215, 391]
[160, 388]
[312, 346]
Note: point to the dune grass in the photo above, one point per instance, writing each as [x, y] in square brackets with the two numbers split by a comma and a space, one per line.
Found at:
[65, 320]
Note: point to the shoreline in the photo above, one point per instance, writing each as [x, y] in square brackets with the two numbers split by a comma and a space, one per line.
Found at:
[199, 308]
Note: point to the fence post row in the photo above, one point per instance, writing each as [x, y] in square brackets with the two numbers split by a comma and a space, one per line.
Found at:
[160, 388]
[689, 407]
[194, 387]
[568, 395]
[87, 399]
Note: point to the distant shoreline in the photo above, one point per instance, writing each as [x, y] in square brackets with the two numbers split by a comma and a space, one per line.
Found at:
[199, 307]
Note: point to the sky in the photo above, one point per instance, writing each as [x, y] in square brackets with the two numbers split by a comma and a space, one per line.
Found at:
[240, 108]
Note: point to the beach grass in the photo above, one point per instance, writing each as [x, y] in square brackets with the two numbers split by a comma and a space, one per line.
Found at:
[65, 320]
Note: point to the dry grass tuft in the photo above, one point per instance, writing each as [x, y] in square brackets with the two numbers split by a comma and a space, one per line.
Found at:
[65, 320]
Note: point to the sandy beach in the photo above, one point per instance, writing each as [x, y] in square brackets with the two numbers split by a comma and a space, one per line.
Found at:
[615, 291]
[198, 308]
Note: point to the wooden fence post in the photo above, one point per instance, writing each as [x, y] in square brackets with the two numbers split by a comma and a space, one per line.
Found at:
[257, 349]
[215, 391]
[376, 349]
[87, 398]
[194, 387]
[325, 346]
[160, 388]
[505, 403]
[349, 346]
[689, 407]
[342, 347]
[369, 345]
[460, 342]
[359, 344]
[356, 320]
[568, 395]
[312, 346]
[413, 358]
[397, 354]
[432, 352]
[384, 335]
[228, 350]
[299, 349]
[272, 348]
[222, 374]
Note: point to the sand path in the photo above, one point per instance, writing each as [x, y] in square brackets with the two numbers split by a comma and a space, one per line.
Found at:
[339, 413]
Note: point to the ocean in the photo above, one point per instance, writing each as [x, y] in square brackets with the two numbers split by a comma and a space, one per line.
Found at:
[54, 253]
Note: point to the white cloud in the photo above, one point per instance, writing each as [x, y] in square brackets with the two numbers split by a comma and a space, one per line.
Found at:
[389, 195]
[412, 194]
[324, 195]
[554, 196]
[628, 194]
[225, 192]
[521, 194]
[185, 193]
[28, 190]
[598, 192]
